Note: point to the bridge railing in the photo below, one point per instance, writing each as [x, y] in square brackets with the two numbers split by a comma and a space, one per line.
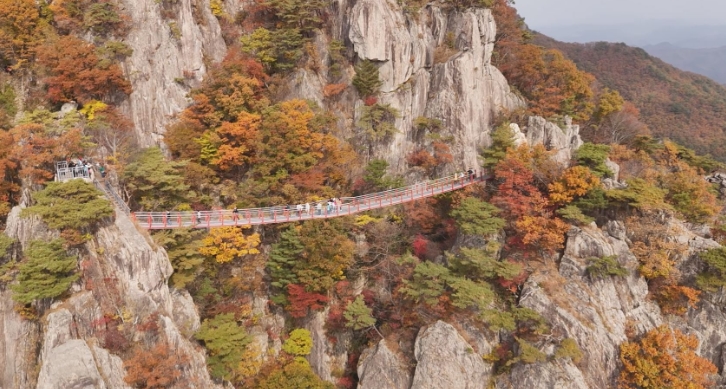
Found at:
[285, 213]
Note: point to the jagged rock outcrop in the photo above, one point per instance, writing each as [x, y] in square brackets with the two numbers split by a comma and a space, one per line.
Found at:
[123, 275]
[564, 141]
[558, 374]
[446, 360]
[596, 313]
[18, 340]
[435, 63]
[381, 368]
[172, 45]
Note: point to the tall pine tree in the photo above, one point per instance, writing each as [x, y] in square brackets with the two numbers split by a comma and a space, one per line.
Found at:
[366, 79]
[283, 257]
[48, 272]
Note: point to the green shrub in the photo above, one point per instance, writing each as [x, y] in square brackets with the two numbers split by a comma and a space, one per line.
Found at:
[528, 353]
[639, 194]
[375, 176]
[154, 182]
[102, 18]
[569, 349]
[7, 106]
[594, 156]
[358, 315]
[605, 267]
[73, 204]
[377, 121]
[715, 275]
[47, 272]
[225, 341]
[502, 140]
[573, 214]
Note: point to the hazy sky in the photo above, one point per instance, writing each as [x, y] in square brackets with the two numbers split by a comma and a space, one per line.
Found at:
[542, 13]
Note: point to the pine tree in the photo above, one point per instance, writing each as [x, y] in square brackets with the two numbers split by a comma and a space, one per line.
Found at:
[594, 156]
[48, 272]
[480, 264]
[74, 204]
[366, 79]
[283, 257]
[182, 246]
[477, 217]
[358, 316]
[154, 182]
[225, 340]
[502, 140]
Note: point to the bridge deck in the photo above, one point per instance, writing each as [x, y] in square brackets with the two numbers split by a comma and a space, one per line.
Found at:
[274, 215]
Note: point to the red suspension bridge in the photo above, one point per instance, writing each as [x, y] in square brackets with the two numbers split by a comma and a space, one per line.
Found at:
[284, 214]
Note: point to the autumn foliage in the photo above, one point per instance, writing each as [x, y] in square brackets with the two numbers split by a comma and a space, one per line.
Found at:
[76, 73]
[227, 243]
[155, 368]
[664, 358]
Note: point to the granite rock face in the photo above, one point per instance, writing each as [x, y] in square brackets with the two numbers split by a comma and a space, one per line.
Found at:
[446, 360]
[122, 274]
[170, 42]
[381, 368]
[435, 63]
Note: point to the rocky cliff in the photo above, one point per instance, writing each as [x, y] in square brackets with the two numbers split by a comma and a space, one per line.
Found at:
[173, 45]
[123, 276]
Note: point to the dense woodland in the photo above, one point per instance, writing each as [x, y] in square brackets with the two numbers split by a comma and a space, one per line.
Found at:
[238, 144]
[683, 106]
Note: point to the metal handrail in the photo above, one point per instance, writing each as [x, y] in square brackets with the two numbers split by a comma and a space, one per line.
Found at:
[289, 213]
[106, 188]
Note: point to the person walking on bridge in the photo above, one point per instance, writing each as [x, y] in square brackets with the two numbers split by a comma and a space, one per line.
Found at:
[307, 209]
[319, 207]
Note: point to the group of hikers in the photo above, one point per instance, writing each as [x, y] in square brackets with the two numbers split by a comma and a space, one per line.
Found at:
[81, 168]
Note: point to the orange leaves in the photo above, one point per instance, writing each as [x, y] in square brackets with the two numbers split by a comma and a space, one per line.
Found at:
[157, 368]
[545, 233]
[331, 90]
[664, 358]
[516, 195]
[574, 182]
[676, 299]
[239, 141]
[227, 243]
[36, 151]
[20, 30]
[77, 74]
[551, 83]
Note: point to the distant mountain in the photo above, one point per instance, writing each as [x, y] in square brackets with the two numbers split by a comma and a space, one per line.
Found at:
[686, 107]
[642, 33]
[708, 62]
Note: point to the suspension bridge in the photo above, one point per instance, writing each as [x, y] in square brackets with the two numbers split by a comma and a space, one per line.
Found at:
[290, 213]
[273, 215]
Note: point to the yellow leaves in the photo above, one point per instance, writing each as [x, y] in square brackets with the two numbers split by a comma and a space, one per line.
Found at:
[90, 108]
[227, 243]
[610, 102]
[574, 182]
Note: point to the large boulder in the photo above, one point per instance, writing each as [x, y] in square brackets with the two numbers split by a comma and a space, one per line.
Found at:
[446, 360]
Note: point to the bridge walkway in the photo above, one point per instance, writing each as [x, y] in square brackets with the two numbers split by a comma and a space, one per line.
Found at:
[285, 214]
